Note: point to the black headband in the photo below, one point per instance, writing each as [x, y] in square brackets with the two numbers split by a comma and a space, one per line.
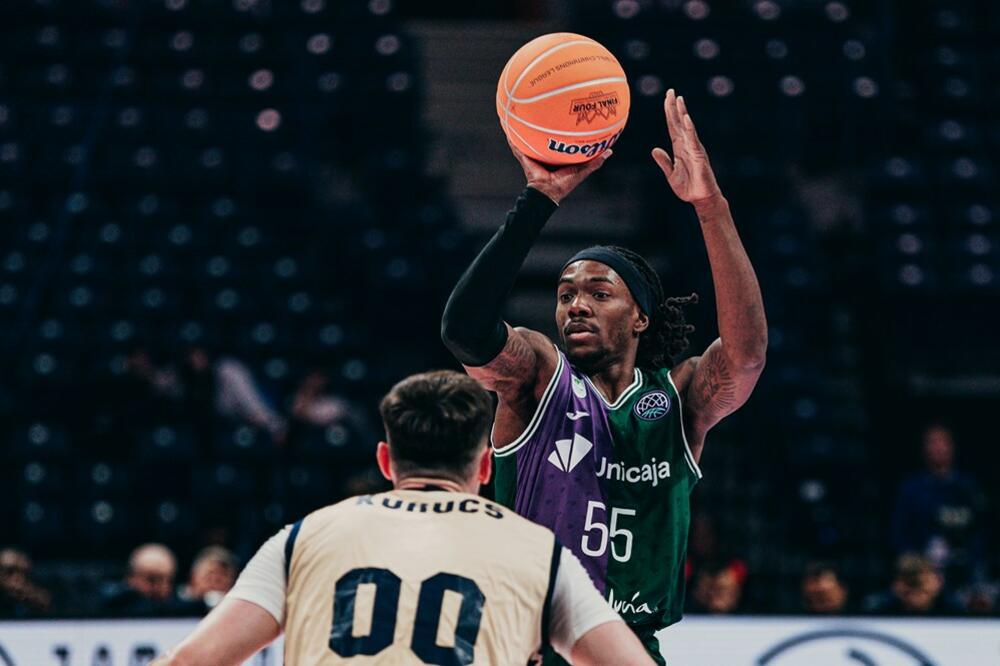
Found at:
[636, 282]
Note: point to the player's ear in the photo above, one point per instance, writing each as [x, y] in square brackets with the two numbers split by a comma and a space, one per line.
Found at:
[383, 459]
[486, 466]
[641, 323]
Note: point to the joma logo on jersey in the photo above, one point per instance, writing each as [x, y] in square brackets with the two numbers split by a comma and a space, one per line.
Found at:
[569, 452]
[652, 406]
[587, 149]
[597, 105]
[652, 472]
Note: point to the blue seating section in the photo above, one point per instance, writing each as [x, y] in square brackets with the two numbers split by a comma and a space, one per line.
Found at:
[177, 173]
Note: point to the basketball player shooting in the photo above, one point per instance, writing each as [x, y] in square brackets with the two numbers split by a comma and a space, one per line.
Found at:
[601, 442]
[428, 573]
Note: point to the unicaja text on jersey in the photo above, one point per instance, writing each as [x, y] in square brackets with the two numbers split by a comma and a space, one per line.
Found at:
[651, 472]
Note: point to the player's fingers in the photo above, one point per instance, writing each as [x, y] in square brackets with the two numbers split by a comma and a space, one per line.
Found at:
[662, 159]
[697, 147]
[686, 125]
[579, 172]
[593, 165]
[687, 120]
[518, 155]
[530, 166]
[692, 133]
[670, 111]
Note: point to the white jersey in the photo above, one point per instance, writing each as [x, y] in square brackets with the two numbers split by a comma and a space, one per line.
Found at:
[414, 576]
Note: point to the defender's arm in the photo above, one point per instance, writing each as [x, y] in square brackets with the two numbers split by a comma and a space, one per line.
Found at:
[250, 617]
[232, 633]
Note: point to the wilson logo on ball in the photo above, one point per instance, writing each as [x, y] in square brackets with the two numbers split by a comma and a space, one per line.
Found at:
[596, 105]
[588, 149]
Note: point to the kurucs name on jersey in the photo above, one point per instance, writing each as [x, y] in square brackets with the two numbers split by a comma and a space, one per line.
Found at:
[468, 505]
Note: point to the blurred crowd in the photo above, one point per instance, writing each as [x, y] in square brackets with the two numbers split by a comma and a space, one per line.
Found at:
[149, 587]
[939, 536]
[939, 544]
[205, 388]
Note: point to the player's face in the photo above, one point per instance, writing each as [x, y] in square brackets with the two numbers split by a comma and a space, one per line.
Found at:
[595, 313]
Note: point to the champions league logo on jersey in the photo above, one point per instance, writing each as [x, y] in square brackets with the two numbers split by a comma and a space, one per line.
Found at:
[653, 406]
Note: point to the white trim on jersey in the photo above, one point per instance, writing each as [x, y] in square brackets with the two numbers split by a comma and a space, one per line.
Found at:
[626, 394]
[536, 419]
[688, 456]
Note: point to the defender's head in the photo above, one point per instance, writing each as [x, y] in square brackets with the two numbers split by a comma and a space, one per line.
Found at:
[610, 307]
[436, 426]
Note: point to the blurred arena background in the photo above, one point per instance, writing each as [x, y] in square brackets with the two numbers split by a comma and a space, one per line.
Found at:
[228, 226]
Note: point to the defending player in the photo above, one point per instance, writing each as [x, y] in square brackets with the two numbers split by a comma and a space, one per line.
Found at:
[601, 443]
[426, 573]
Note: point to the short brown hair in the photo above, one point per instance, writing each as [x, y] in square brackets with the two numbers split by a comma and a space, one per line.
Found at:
[436, 421]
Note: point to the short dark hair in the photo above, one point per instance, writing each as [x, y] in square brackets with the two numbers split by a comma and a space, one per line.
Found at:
[436, 422]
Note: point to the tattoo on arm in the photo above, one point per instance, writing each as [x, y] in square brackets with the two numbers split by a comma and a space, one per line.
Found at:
[515, 367]
[716, 389]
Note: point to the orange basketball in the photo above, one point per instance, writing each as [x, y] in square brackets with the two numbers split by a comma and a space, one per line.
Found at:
[562, 98]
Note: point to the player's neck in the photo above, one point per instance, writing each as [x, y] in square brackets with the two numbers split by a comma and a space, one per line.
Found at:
[437, 482]
[614, 379]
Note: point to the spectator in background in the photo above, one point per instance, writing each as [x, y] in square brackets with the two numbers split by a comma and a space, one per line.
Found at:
[212, 574]
[228, 384]
[823, 592]
[19, 595]
[718, 588]
[706, 545]
[148, 588]
[939, 513]
[208, 389]
[917, 589]
[315, 406]
[142, 373]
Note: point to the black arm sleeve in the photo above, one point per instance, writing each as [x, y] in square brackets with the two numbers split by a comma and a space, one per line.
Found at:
[472, 326]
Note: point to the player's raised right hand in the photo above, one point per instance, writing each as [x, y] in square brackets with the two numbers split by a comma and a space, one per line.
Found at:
[556, 184]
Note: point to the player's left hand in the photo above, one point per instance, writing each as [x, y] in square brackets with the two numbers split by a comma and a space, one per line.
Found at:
[689, 172]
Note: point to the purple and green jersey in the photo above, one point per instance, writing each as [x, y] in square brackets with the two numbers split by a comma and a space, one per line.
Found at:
[613, 482]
